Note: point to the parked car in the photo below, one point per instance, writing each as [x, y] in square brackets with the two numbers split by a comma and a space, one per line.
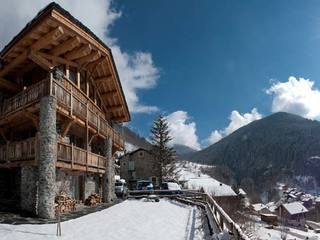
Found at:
[144, 185]
[121, 188]
[171, 188]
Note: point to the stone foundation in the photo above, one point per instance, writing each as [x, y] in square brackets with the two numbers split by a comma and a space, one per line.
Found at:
[69, 182]
[29, 189]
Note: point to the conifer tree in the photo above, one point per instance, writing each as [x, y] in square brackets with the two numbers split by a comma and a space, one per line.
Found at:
[164, 155]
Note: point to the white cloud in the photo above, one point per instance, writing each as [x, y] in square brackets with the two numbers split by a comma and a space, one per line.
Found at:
[137, 71]
[183, 130]
[297, 96]
[237, 120]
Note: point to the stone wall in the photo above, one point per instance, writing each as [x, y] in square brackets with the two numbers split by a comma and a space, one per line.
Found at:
[68, 182]
[29, 189]
[91, 184]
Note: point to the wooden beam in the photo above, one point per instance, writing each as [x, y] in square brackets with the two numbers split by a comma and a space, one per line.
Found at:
[93, 65]
[118, 119]
[92, 137]
[48, 38]
[79, 52]
[66, 46]
[66, 127]
[111, 93]
[103, 79]
[34, 118]
[9, 85]
[13, 63]
[41, 61]
[114, 108]
[89, 58]
[58, 59]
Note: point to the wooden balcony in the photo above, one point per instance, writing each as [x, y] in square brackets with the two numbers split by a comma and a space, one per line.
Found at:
[75, 158]
[18, 151]
[25, 152]
[72, 102]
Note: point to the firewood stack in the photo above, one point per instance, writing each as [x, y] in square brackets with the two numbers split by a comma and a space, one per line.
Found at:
[65, 203]
[93, 200]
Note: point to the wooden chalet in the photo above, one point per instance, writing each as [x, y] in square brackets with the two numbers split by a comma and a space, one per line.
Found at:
[60, 97]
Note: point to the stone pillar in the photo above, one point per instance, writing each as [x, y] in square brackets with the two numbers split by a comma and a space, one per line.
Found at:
[47, 157]
[108, 178]
[28, 189]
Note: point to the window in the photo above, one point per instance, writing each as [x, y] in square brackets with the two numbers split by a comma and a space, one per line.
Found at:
[73, 75]
[141, 154]
[131, 165]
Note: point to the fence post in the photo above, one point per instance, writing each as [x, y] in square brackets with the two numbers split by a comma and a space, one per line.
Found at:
[72, 155]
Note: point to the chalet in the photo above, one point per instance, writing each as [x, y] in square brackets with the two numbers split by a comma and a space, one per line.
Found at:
[139, 165]
[60, 97]
[293, 214]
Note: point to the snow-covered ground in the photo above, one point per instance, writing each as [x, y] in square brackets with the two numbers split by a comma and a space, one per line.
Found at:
[275, 234]
[195, 180]
[131, 219]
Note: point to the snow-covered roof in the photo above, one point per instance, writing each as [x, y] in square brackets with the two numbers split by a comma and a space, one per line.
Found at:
[295, 208]
[258, 207]
[242, 192]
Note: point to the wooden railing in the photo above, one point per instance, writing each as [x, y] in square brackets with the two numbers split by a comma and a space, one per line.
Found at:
[25, 97]
[79, 105]
[70, 98]
[18, 150]
[221, 218]
[78, 156]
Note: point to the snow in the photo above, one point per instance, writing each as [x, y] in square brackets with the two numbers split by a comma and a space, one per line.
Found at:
[258, 207]
[295, 208]
[291, 233]
[173, 186]
[195, 180]
[131, 219]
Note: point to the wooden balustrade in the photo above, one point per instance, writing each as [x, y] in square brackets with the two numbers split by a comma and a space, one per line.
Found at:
[77, 156]
[70, 98]
[81, 106]
[18, 150]
[26, 97]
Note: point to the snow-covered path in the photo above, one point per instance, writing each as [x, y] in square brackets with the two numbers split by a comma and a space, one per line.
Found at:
[131, 219]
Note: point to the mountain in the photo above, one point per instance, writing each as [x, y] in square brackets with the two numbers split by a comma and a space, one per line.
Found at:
[133, 140]
[279, 147]
[183, 150]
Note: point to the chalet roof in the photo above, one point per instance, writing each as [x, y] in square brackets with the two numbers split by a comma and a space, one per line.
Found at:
[135, 151]
[295, 208]
[52, 27]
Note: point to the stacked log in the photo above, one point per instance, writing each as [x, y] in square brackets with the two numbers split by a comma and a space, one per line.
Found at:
[93, 200]
[64, 203]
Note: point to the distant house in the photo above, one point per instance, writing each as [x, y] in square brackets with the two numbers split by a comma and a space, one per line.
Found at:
[260, 208]
[293, 214]
[139, 165]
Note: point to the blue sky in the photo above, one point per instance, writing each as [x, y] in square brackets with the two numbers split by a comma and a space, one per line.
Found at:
[209, 66]
[218, 56]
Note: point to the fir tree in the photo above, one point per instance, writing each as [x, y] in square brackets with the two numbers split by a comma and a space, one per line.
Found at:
[164, 155]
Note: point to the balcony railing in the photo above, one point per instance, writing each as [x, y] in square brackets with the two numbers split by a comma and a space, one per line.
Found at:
[19, 150]
[77, 156]
[71, 99]
[67, 153]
